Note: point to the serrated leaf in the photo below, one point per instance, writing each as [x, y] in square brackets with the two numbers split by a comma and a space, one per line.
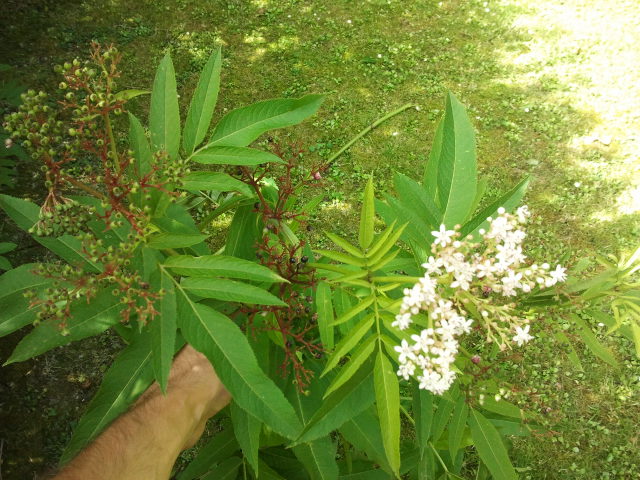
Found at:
[362, 305]
[209, 266]
[222, 182]
[319, 455]
[363, 432]
[415, 197]
[430, 175]
[25, 214]
[324, 308]
[163, 241]
[387, 392]
[225, 470]
[367, 216]
[243, 233]
[509, 201]
[247, 429]
[457, 170]
[86, 320]
[140, 145]
[163, 331]
[422, 416]
[635, 329]
[129, 94]
[6, 247]
[490, 447]
[228, 155]
[345, 403]
[202, 103]
[346, 246]
[230, 291]
[360, 356]
[592, 342]
[341, 257]
[348, 342]
[164, 114]
[242, 126]
[129, 375]
[16, 311]
[221, 446]
[224, 344]
[457, 426]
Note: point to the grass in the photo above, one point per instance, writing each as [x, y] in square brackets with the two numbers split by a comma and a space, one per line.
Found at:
[552, 88]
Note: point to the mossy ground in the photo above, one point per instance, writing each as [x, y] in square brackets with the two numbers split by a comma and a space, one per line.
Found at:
[552, 88]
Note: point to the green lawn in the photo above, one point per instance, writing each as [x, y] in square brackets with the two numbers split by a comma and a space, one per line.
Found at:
[553, 88]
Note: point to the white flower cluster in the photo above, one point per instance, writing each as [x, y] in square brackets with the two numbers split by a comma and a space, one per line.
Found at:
[459, 275]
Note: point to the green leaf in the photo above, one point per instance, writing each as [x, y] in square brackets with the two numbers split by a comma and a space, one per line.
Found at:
[25, 214]
[490, 447]
[16, 311]
[430, 176]
[221, 266]
[509, 201]
[387, 391]
[422, 416]
[635, 329]
[592, 342]
[227, 155]
[140, 145]
[457, 426]
[5, 264]
[363, 432]
[225, 470]
[6, 247]
[203, 103]
[457, 170]
[174, 240]
[363, 352]
[86, 320]
[221, 446]
[164, 114]
[129, 94]
[163, 332]
[362, 305]
[324, 308]
[367, 217]
[244, 232]
[341, 257]
[349, 341]
[247, 429]
[317, 456]
[230, 291]
[346, 246]
[224, 344]
[344, 404]
[441, 418]
[222, 182]
[415, 197]
[242, 126]
[572, 354]
[129, 375]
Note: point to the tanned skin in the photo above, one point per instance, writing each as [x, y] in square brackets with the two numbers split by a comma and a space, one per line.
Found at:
[143, 443]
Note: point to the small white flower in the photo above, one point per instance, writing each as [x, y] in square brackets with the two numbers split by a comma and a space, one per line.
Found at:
[406, 370]
[522, 335]
[405, 351]
[559, 274]
[443, 236]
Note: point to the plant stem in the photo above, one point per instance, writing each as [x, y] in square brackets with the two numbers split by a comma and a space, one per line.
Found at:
[112, 143]
[85, 187]
[367, 130]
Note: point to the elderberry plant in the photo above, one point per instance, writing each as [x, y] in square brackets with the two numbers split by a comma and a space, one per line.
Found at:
[323, 351]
